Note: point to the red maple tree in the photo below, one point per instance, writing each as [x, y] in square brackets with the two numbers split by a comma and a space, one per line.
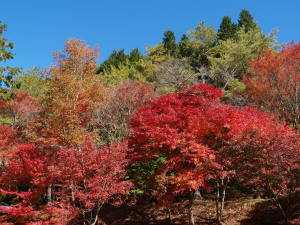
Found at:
[63, 185]
[7, 140]
[274, 82]
[164, 128]
[91, 177]
[26, 175]
[200, 139]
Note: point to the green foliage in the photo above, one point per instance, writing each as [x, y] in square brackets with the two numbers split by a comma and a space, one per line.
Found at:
[120, 66]
[5, 120]
[230, 59]
[227, 29]
[246, 20]
[199, 41]
[6, 73]
[148, 69]
[183, 45]
[157, 54]
[204, 34]
[6, 95]
[124, 72]
[170, 45]
[116, 59]
[135, 56]
[164, 50]
[233, 87]
[33, 83]
[142, 175]
[116, 75]
[236, 85]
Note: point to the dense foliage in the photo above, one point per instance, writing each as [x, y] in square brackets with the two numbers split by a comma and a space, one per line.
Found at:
[274, 82]
[217, 111]
[202, 139]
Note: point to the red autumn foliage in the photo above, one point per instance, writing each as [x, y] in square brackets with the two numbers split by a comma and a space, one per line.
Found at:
[80, 181]
[201, 138]
[133, 94]
[164, 128]
[274, 82]
[90, 177]
[7, 140]
[197, 137]
[21, 109]
[28, 173]
[264, 152]
[111, 118]
[25, 106]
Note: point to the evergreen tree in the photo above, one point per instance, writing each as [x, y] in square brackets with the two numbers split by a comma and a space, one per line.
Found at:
[7, 73]
[116, 59]
[246, 20]
[183, 46]
[135, 56]
[227, 29]
[169, 43]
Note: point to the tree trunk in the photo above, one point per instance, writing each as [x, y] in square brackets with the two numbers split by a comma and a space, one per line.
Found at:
[276, 202]
[72, 195]
[279, 207]
[217, 202]
[220, 199]
[170, 214]
[190, 208]
[49, 193]
[224, 186]
[95, 220]
[198, 194]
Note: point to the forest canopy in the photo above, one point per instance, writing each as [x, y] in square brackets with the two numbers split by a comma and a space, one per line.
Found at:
[217, 111]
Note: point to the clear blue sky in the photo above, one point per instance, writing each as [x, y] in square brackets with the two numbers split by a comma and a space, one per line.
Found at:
[38, 27]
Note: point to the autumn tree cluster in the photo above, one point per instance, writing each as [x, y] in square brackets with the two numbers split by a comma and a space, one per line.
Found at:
[201, 140]
[218, 111]
[52, 168]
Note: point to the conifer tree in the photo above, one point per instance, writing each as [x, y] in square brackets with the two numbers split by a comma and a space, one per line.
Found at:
[169, 42]
[135, 56]
[227, 29]
[116, 59]
[183, 45]
[246, 20]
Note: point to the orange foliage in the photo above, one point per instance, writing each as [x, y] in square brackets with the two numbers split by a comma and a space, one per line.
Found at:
[274, 82]
[7, 139]
[76, 89]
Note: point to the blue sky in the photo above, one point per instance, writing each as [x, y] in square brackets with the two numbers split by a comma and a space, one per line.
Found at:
[38, 27]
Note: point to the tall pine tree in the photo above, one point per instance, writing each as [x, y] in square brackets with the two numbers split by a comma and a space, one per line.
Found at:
[135, 56]
[246, 20]
[169, 42]
[116, 59]
[183, 46]
[227, 29]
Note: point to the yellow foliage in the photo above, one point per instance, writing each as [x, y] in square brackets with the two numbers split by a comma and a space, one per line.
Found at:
[76, 89]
